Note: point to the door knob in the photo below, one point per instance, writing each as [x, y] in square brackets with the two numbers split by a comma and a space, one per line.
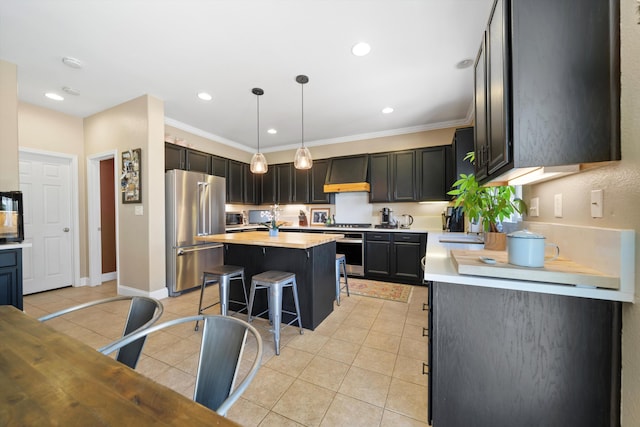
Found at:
[66, 229]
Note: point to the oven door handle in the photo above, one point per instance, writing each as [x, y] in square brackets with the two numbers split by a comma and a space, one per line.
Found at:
[349, 240]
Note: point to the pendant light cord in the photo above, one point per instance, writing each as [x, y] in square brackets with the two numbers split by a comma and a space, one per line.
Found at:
[258, 121]
[302, 127]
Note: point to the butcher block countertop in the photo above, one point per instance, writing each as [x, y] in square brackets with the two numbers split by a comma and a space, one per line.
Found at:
[282, 240]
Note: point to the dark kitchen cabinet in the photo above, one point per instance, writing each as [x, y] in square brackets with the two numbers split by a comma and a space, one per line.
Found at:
[404, 176]
[539, 107]
[502, 357]
[461, 145]
[218, 166]
[377, 253]
[268, 190]
[284, 181]
[198, 161]
[432, 174]
[235, 174]
[317, 179]
[393, 176]
[380, 177]
[249, 187]
[11, 277]
[174, 156]
[394, 256]
[301, 185]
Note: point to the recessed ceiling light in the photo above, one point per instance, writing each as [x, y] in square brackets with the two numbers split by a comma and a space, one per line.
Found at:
[205, 96]
[465, 63]
[387, 110]
[72, 62]
[361, 49]
[54, 96]
[71, 91]
[272, 131]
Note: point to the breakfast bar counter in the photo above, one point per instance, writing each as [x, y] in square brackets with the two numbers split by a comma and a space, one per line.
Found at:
[310, 256]
[282, 240]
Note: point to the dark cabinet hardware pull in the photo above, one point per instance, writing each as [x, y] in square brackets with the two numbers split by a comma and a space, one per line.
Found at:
[425, 306]
[424, 365]
[425, 332]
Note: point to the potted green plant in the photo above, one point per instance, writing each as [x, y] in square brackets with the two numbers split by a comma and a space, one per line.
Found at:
[491, 204]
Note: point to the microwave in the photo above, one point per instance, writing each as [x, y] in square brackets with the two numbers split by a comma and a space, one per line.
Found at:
[11, 213]
[234, 218]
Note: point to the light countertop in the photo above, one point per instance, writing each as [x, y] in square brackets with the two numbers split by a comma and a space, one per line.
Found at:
[283, 240]
[439, 267]
[6, 246]
[324, 229]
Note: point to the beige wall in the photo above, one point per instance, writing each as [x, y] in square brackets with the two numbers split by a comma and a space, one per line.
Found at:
[373, 145]
[47, 130]
[9, 179]
[138, 123]
[621, 201]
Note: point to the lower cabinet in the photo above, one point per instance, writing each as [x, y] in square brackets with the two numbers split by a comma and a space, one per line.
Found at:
[394, 256]
[11, 277]
[501, 357]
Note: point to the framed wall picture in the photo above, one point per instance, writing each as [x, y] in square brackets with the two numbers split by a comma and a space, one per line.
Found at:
[319, 216]
[131, 177]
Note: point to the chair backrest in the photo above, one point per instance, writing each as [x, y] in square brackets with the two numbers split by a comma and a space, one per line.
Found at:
[143, 312]
[223, 342]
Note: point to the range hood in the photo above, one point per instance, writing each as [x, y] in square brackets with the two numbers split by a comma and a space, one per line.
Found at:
[346, 174]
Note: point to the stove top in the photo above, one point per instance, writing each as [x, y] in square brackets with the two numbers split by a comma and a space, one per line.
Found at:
[386, 226]
[344, 225]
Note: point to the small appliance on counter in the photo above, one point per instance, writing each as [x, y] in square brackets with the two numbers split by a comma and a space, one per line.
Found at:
[386, 219]
[302, 219]
[11, 217]
[453, 219]
[405, 221]
[234, 219]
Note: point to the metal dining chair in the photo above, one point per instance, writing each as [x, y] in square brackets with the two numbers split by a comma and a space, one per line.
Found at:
[223, 343]
[143, 312]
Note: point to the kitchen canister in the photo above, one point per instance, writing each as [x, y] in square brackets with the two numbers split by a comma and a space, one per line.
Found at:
[526, 249]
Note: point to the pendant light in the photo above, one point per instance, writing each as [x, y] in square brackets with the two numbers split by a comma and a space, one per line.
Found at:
[303, 158]
[258, 161]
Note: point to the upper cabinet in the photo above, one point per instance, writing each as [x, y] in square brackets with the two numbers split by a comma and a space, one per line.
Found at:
[317, 177]
[432, 174]
[235, 175]
[393, 177]
[547, 86]
[198, 161]
[173, 156]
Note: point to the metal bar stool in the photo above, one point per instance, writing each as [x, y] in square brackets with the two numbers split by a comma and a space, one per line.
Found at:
[274, 282]
[222, 274]
[341, 262]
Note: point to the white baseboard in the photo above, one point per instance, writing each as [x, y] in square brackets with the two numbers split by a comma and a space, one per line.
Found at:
[106, 277]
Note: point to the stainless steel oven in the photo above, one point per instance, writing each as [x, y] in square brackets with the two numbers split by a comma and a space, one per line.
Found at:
[352, 246]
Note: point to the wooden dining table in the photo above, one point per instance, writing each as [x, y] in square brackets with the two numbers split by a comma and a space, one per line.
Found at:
[49, 378]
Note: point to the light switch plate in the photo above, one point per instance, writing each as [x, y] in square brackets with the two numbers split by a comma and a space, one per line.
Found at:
[557, 205]
[597, 203]
[534, 206]
[139, 210]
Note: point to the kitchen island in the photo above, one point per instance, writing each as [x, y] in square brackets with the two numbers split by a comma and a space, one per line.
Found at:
[310, 256]
[519, 352]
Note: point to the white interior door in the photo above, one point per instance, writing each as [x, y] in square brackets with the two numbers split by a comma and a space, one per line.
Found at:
[45, 182]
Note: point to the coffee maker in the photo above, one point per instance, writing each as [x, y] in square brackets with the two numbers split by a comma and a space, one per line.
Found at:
[453, 219]
[386, 218]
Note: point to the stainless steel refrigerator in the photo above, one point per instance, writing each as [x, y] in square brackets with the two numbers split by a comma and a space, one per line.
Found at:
[194, 207]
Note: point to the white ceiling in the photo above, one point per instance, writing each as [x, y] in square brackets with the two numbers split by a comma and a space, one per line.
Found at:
[174, 49]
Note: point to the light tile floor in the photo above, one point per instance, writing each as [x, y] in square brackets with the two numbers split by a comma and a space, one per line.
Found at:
[361, 367]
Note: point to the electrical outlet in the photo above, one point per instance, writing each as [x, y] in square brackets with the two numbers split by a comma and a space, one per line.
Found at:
[557, 205]
[534, 206]
[597, 203]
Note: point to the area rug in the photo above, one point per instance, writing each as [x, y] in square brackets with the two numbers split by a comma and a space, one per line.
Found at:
[382, 290]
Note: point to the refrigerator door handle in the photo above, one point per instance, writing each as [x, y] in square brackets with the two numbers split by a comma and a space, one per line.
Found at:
[183, 251]
[204, 220]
